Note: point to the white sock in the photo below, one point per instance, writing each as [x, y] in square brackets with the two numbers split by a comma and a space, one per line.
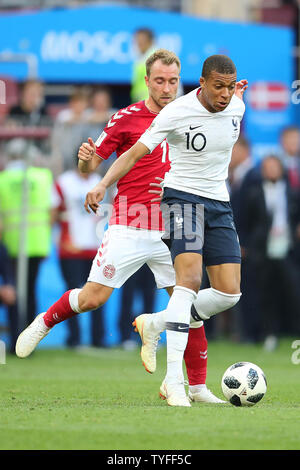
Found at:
[73, 300]
[159, 321]
[197, 388]
[210, 301]
[177, 327]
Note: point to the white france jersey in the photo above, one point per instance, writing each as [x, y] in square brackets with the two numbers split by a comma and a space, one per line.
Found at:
[200, 144]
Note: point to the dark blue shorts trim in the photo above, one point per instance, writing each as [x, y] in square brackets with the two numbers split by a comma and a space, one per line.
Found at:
[223, 260]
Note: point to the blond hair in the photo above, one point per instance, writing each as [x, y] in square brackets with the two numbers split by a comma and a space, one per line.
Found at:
[167, 58]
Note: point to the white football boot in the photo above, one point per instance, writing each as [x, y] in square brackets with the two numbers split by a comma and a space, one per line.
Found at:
[174, 393]
[150, 337]
[204, 395]
[31, 336]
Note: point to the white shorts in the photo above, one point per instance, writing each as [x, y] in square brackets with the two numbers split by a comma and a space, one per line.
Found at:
[124, 250]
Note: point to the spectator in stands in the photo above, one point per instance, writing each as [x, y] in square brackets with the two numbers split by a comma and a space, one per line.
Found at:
[271, 216]
[145, 46]
[290, 154]
[78, 242]
[100, 110]
[144, 42]
[25, 204]
[31, 110]
[69, 131]
[242, 173]
[98, 114]
[8, 296]
[241, 162]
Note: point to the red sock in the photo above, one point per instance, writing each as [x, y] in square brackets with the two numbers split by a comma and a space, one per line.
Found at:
[195, 356]
[59, 311]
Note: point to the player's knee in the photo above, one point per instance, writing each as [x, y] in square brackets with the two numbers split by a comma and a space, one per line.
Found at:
[226, 299]
[89, 304]
[228, 285]
[189, 280]
[233, 290]
[195, 283]
[188, 273]
[91, 299]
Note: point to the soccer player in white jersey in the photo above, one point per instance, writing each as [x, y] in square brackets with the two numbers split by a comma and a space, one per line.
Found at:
[131, 240]
[201, 129]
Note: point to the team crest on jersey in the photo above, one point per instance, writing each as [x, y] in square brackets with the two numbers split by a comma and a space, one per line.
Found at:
[235, 122]
[109, 271]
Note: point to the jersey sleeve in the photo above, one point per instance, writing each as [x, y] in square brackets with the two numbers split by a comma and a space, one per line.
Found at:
[240, 107]
[159, 129]
[111, 138]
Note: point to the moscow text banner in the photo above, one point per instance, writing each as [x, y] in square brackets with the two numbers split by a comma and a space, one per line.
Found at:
[94, 45]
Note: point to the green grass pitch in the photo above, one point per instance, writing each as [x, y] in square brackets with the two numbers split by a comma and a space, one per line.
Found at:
[62, 399]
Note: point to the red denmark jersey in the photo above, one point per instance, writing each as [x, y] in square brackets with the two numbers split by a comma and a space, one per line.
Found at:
[132, 206]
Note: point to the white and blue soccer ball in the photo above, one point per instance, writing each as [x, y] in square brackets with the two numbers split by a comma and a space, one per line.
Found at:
[244, 384]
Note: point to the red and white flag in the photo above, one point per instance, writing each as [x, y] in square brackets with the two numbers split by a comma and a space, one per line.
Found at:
[271, 96]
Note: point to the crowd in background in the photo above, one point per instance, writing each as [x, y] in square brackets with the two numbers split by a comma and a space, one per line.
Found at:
[41, 141]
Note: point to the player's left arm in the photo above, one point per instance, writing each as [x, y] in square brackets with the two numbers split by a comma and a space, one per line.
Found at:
[240, 88]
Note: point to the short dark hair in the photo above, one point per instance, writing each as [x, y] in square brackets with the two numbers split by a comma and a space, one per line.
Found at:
[218, 63]
[147, 31]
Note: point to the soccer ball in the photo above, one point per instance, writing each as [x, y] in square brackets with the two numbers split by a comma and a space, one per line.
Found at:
[244, 384]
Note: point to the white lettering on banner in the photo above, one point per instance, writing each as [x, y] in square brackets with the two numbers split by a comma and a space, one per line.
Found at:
[100, 47]
[170, 41]
[82, 47]
[53, 47]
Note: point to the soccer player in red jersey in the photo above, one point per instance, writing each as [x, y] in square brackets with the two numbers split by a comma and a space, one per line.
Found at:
[135, 229]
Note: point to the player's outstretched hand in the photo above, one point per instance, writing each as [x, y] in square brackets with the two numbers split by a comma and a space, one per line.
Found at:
[158, 191]
[87, 150]
[93, 198]
[240, 88]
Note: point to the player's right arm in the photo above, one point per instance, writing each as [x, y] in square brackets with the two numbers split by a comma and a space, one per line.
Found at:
[88, 160]
[118, 169]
